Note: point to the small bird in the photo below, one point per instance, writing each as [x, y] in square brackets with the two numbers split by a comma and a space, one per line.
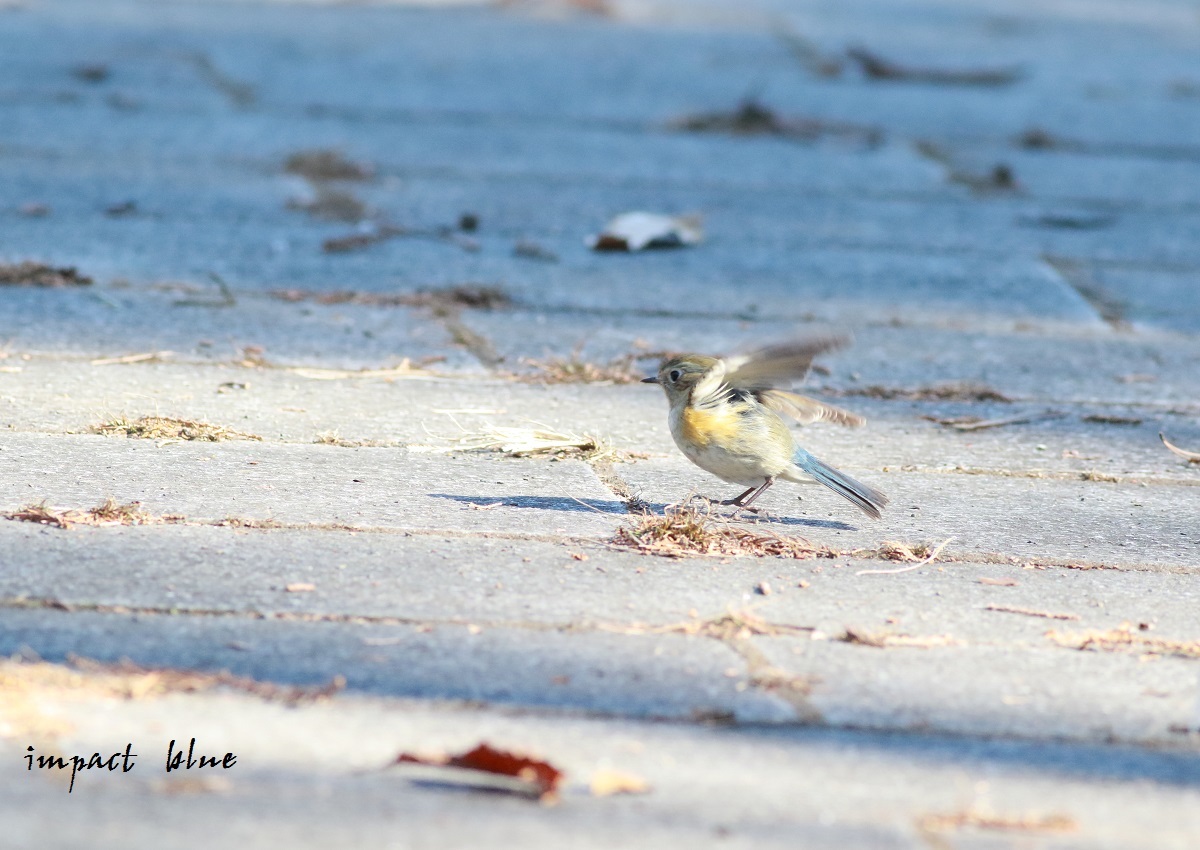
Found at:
[725, 418]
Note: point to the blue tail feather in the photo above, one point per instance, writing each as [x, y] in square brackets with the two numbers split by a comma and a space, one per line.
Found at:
[869, 500]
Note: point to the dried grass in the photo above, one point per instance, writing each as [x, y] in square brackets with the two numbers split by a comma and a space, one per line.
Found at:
[891, 640]
[242, 522]
[575, 369]
[34, 690]
[109, 512]
[953, 391]
[1125, 638]
[169, 428]
[127, 680]
[977, 818]
[1031, 612]
[731, 626]
[530, 442]
[684, 531]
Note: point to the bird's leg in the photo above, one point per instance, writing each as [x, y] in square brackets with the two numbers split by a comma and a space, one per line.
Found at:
[756, 493]
[738, 501]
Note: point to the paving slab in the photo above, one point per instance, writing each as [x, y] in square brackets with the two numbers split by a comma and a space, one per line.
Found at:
[1110, 428]
[313, 484]
[641, 675]
[1088, 522]
[194, 323]
[445, 580]
[310, 774]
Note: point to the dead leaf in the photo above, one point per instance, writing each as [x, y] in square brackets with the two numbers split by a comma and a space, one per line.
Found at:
[606, 783]
[539, 778]
[636, 231]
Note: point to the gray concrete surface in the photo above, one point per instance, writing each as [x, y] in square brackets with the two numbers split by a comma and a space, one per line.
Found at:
[1035, 686]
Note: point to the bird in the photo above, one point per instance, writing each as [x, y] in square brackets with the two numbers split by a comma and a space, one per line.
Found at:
[725, 418]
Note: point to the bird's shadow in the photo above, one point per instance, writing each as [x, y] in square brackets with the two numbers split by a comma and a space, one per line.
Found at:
[616, 508]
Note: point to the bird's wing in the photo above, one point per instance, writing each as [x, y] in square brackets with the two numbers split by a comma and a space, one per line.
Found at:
[806, 410]
[780, 364]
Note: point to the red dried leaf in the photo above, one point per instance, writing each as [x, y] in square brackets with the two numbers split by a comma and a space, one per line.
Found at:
[542, 777]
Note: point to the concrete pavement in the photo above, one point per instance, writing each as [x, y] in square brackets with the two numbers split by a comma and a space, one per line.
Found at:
[1035, 685]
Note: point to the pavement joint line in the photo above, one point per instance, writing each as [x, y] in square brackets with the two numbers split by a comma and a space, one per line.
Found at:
[49, 603]
[604, 544]
[808, 719]
[270, 526]
[1075, 275]
[463, 335]
[608, 476]
[434, 117]
[756, 661]
[1089, 475]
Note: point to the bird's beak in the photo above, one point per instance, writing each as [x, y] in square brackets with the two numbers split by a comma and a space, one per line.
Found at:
[649, 380]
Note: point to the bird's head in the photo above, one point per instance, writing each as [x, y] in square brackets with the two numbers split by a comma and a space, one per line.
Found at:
[680, 376]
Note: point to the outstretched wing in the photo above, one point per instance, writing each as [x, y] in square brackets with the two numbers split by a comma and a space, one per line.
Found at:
[807, 410]
[778, 365]
[764, 371]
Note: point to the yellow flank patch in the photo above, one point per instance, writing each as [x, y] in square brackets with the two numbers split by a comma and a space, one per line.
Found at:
[702, 426]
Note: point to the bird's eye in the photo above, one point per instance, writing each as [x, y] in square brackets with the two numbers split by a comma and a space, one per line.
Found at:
[674, 376]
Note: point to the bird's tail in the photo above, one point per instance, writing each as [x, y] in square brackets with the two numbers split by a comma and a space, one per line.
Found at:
[869, 500]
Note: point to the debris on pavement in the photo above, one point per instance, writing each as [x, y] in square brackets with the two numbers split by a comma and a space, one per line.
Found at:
[951, 391]
[1031, 612]
[978, 818]
[108, 512]
[29, 273]
[1125, 638]
[607, 782]
[637, 231]
[327, 164]
[971, 423]
[889, 640]
[530, 777]
[876, 67]
[524, 442]
[169, 428]
[752, 118]
[684, 531]
[1189, 456]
